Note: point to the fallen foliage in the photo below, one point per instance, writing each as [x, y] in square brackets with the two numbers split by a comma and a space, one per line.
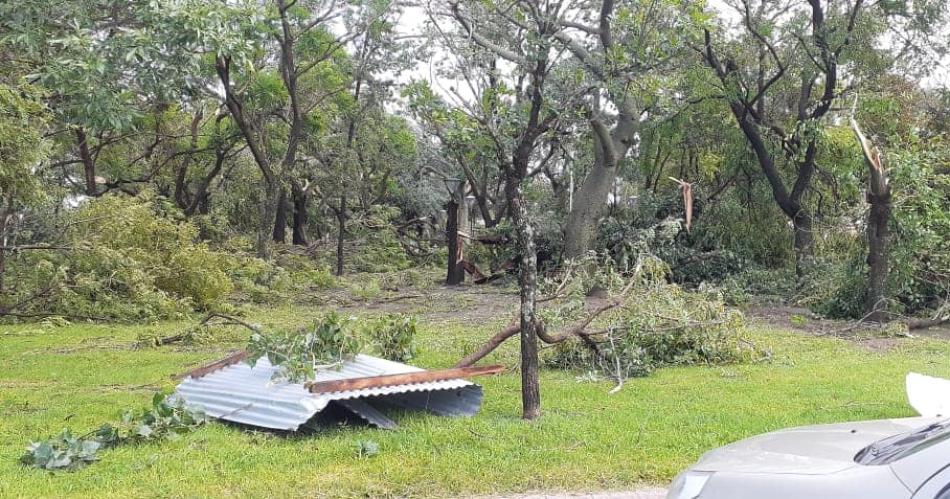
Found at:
[160, 421]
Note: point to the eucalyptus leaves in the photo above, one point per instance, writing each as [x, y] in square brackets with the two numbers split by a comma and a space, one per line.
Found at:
[327, 343]
[330, 341]
[163, 420]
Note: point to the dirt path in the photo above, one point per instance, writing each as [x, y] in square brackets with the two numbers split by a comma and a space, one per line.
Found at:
[494, 302]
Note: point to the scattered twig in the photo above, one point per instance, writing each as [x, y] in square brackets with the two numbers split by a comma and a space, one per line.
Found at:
[399, 298]
[228, 321]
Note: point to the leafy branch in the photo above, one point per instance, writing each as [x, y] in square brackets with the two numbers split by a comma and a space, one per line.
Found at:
[163, 420]
[324, 345]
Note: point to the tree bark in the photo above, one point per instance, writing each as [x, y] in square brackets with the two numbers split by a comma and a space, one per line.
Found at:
[300, 199]
[88, 162]
[280, 219]
[6, 210]
[878, 234]
[878, 230]
[804, 242]
[341, 233]
[454, 224]
[589, 202]
[454, 273]
[528, 281]
[268, 213]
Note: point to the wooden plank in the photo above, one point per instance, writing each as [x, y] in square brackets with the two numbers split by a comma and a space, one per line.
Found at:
[342, 385]
[206, 369]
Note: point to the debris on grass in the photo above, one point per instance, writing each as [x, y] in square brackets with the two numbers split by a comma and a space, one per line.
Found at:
[238, 392]
[164, 419]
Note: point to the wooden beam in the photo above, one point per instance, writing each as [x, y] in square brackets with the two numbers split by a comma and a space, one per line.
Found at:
[232, 359]
[342, 385]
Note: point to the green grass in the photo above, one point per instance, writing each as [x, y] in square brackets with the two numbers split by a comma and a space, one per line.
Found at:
[82, 375]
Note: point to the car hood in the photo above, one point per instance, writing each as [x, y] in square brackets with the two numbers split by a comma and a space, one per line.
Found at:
[809, 450]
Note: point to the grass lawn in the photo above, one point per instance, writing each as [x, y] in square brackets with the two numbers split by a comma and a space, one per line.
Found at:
[82, 375]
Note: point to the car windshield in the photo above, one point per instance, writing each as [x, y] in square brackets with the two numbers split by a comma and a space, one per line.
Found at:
[891, 449]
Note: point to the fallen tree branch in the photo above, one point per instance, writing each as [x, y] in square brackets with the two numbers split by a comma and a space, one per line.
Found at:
[490, 346]
[575, 330]
[480, 278]
[911, 325]
[228, 321]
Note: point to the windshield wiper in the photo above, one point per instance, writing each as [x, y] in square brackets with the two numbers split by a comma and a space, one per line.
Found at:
[892, 448]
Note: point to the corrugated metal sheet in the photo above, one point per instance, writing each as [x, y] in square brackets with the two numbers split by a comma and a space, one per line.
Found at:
[247, 395]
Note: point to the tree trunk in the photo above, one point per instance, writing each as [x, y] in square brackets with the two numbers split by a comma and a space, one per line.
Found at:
[528, 280]
[341, 233]
[804, 242]
[6, 210]
[610, 148]
[589, 201]
[300, 217]
[88, 162]
[181, 191]
[878, 231]
[268, 213]
[280, 219]
[455, 273]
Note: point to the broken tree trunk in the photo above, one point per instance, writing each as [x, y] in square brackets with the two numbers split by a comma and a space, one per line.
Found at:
[879, 197]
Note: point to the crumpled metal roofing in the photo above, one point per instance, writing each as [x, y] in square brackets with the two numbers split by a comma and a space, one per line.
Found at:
[244, 394]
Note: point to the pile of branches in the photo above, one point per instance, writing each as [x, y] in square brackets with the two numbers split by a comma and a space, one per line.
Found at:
[644, 323]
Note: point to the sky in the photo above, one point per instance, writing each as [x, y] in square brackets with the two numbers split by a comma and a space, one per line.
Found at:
[414, 18]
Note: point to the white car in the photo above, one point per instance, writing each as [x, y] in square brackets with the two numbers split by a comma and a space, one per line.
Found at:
[888, 459]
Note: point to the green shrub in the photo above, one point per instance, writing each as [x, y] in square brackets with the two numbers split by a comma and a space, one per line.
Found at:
[259, 281]
[129, 258]
[757, 284]
[305, 273]
[195, 272]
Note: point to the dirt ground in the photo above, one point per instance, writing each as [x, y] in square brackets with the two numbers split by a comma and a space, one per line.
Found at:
[496, 302]
[803, 320]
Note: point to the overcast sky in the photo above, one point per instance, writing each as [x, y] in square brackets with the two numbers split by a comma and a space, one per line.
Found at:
[413, 19]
